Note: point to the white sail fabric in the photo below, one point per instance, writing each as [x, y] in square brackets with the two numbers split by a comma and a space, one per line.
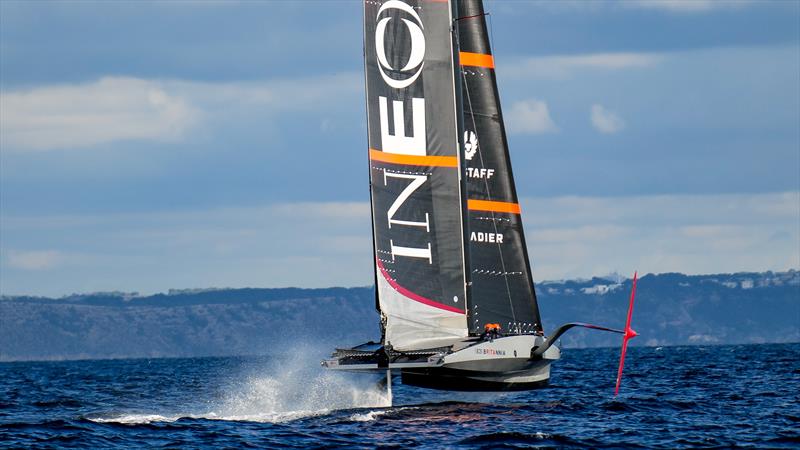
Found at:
[413, 325]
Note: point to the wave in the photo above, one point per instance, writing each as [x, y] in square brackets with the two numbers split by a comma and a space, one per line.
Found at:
[143, 419]
[368, 416]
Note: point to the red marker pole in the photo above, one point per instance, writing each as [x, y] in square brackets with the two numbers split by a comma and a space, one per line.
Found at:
[629, 334]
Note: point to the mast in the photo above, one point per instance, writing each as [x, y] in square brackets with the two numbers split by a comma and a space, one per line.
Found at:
[371, 210]
[502, 289]
[415, 184]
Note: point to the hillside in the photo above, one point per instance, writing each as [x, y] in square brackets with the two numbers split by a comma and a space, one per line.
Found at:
[672, 309]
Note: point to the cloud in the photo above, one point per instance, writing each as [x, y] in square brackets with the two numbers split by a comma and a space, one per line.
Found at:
[34, 260]
[687, 6]
[318, 244]
[307, 244]
[106, 110]
[115, 108]
[606, 121]
[279, 95]
[564, 66]
[585, 236]
[530, 117]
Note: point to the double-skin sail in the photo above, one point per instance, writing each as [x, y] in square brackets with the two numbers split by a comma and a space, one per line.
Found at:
[450, 251]
[416, 191]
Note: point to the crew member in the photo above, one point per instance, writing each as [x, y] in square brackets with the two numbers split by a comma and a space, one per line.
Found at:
[491, 331]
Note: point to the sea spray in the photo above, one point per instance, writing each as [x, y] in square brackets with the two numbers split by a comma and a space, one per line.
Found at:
[279, 388]
[287, 389]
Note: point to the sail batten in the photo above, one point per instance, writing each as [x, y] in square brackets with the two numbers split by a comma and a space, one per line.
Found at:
[413, 160]
[494, 206]
[476, 59]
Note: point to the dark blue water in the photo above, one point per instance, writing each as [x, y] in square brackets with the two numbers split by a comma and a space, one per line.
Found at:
[671, 397]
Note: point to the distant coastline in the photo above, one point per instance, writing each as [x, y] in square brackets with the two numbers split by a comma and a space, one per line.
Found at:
[672, 309]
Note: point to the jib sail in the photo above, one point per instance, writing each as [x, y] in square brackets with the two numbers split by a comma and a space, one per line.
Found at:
[417, 200]
[502, 286]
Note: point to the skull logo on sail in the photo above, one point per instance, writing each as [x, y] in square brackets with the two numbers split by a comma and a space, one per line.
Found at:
[470, 144]
[415, 59]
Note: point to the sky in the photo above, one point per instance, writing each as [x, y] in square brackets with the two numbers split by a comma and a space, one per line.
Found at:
[190, 144]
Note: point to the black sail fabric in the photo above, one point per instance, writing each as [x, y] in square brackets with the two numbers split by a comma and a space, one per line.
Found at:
[417, 200]
[502, 286]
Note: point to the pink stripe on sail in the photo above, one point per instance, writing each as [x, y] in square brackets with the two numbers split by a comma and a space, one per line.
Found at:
[413, 296]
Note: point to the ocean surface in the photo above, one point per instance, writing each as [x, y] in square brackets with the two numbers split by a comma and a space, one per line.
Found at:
[671, 397]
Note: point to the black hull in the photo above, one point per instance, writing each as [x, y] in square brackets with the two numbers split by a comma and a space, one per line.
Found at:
[460, 380]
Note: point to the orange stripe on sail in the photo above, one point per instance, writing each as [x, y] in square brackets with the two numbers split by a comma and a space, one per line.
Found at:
[413, 160]
[476, 59]
[487, 205]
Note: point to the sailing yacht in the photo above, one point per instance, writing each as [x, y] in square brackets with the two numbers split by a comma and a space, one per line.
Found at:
[453, 279]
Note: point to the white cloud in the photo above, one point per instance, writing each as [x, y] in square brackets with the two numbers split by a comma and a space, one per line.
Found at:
[113, 109]
[325, 210]
[687, 6]
[564, 66]
[606, 121]
[307, 244]
[83, 115]
[34, 260]
[296, 94]
[318, 244]
[585, 236]
[530, 117]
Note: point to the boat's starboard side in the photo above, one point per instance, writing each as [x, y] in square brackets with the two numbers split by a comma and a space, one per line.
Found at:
[500, 364]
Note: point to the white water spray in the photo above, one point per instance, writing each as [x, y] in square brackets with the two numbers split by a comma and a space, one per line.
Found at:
[297, 391]
[280, 391]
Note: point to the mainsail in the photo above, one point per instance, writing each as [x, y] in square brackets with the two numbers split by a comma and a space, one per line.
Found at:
[501, 282]
[449, 248]
[416, 192]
